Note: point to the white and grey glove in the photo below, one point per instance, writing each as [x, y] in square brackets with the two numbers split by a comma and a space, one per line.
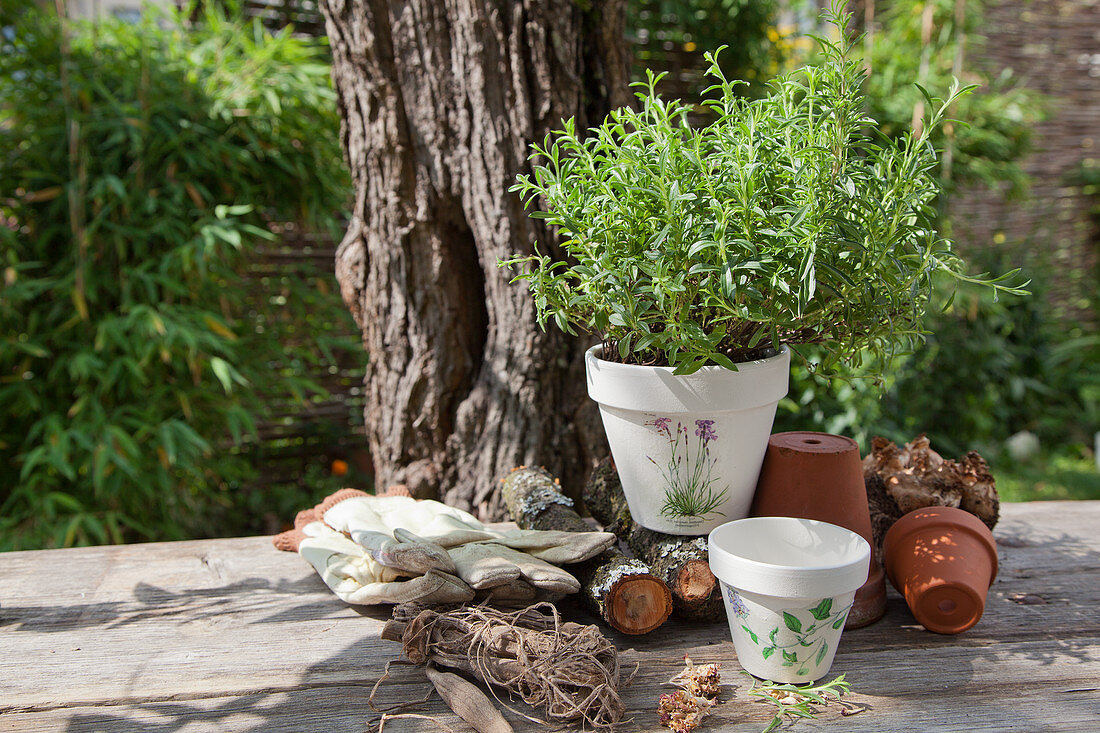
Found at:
[356, 577]
[389, 549]
[372, 521]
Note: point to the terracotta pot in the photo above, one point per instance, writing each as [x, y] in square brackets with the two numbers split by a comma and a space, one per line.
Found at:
[788, 585]
[943, 561]
[819, 476]
[687, 447]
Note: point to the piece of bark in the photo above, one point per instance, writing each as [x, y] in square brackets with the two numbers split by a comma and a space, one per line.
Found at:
[900, 480]
[623, 591]
[682, 563]
[467, 701]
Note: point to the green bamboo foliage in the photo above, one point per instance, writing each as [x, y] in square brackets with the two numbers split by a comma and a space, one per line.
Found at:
[139, 165]
[786, 220]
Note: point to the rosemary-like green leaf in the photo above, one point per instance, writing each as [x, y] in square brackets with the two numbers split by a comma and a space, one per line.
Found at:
[788, 219]
[797, 701]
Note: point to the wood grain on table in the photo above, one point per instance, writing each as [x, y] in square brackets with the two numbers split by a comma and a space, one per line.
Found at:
[233, 635]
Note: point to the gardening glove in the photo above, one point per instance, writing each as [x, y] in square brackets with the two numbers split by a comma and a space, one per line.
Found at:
[356, 577]
[382, 534]
[373, 521]
[491, 565]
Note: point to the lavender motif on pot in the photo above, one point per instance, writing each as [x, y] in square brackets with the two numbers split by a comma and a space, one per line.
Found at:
[737, 606]
[692, 491]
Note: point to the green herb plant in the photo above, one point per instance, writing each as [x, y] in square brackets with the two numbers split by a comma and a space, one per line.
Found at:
[788, 220]
[1002, 115]
[798, 701]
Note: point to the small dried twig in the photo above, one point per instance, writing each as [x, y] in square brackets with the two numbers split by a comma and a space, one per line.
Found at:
[391, 716]
[400, 705]
[796, 701]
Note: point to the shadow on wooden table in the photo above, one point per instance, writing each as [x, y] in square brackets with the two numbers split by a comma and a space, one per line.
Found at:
[277, 655]
[152, 603]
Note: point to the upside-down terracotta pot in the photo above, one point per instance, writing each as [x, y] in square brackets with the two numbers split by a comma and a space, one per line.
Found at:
[819, 476]
[943, 560]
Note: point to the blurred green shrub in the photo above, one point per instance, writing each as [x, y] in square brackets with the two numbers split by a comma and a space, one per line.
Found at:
[673, 35]
[932, 41]
[139, 166]
[987, 370]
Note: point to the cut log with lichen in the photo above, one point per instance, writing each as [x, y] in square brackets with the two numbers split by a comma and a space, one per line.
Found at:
[914, 476]
[681, 562]
[621, 590]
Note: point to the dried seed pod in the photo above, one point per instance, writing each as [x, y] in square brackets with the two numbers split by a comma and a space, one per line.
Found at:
[468, 701]
[681, 711]
[699, 680]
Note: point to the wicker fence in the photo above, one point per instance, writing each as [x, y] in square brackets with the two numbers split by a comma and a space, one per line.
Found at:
[1054, 46]
[295, 437]
[304, 15]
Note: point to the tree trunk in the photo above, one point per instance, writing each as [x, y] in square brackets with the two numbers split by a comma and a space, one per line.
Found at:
[440, 101]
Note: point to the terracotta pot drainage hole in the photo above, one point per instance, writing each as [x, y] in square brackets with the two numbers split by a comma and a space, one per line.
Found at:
[947, 605]
[812, 441]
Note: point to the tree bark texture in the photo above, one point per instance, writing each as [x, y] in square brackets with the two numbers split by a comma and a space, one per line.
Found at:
[440, 100]
[619, 589]
[682, 563]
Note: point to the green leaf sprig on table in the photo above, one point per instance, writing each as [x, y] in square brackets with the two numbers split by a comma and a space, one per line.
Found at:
[798, 700]
[786, 220]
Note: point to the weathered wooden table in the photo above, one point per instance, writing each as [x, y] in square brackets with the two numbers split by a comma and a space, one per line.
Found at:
[232, 635]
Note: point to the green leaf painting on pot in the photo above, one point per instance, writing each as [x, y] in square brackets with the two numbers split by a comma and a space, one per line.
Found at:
[802, 644]
[800, 640]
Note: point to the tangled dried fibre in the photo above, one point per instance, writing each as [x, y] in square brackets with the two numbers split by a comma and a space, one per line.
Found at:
[570, 671]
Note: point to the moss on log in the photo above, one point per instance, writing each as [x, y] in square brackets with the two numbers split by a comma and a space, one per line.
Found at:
[621, 590]
[682, 563]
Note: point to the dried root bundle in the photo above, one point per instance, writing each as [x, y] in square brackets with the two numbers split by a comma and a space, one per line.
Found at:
[568, 670]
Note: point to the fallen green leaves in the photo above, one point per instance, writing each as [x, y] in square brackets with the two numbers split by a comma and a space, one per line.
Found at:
[802, 701]
[683, 711]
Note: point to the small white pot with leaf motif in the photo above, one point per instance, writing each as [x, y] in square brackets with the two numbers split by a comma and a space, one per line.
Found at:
[688, 447]
[788, 585]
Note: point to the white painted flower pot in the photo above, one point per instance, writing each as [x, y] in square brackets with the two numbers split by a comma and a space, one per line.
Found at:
[788, 585]
[688, 448]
